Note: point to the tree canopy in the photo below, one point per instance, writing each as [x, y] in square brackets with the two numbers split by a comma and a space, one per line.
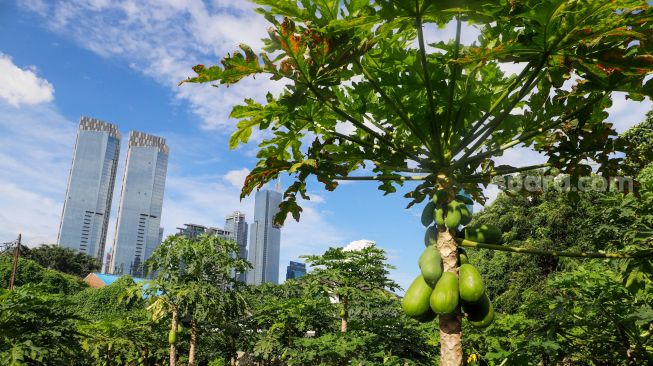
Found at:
[367, 90]
[62, 259]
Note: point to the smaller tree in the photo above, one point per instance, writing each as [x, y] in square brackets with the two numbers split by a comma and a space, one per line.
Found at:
[62, 259]
[342, 273]
[194, 278]
[640, 139]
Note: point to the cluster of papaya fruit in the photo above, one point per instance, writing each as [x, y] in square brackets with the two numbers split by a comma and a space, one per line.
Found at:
[436, 292]
[172, 334]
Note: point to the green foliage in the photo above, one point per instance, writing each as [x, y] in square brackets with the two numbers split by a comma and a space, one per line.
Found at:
[331, 349]
[30, 272]
[297, 327]
[341, 273]
[37, 328]
[640, 138]
[130, 340]
[195, 278]
[62, 259]
[559, 310]
[109, 302]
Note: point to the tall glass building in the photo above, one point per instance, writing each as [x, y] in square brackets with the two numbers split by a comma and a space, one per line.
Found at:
[265, 239]
[141, 201]
[87, 205]
[295, 270]
[237, 226]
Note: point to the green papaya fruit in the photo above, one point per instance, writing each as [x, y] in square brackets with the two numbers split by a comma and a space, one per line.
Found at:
[444, 298]
[431, 236]
[465, 215]
[439, 216]
[172, 336]
[471, 283]
[464, 199]
[416, 299]
[481, 313]
[180, 328]
[462, 256]
[427, 214]
[342, 313]
[484, 234]
[428, 317]
[430, 263]
[454, 215]
[439, 196]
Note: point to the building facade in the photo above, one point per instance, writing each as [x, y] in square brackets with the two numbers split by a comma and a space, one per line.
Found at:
[141, 202]
[264, 239]
[193, 230]
[235, 223]
[92, 176]
[295, 270]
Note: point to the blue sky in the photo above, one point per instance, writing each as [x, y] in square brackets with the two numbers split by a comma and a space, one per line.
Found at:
[120, 61]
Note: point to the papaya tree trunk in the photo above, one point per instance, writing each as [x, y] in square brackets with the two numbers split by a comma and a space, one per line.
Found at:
[345, 316]
[193, 342]
[173, 346]
[451, 348]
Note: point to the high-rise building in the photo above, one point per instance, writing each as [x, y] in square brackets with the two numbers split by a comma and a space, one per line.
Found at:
[193, 230]
[92, 176]
[264, 239]
[141, 201]
[295, 270]
[235, 223]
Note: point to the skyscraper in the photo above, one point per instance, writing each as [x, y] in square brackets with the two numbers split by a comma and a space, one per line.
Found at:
[192, 231]
[141, 201]
[295, 270]
[264, 240]
[237, 226]
[87, 205]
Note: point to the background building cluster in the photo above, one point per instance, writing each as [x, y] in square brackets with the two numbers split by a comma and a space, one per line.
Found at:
[87, 207]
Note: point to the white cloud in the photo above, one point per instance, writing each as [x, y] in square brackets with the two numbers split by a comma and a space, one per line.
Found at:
[237, 177]
[36, 147]
[164, 39]
[22, 86]
[358, 245]
[626, 113]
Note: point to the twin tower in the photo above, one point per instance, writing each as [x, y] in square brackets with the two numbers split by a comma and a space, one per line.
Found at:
[87, 205]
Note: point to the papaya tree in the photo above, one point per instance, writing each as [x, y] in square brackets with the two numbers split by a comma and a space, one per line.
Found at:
[342, 274]
[368, 88]
[194, 280]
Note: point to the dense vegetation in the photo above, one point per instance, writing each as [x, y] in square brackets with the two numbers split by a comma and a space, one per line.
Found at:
[549, 310]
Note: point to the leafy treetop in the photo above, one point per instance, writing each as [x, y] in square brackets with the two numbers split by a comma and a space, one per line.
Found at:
[365, 89]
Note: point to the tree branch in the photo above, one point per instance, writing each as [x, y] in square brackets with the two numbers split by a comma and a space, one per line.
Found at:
[486, 130]
[397, 108]
[505, 171]
[382, 177]
[530, 134]
[360, 124]
[429, 91]
[474, 132]
[452, 83]
[503, 248]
